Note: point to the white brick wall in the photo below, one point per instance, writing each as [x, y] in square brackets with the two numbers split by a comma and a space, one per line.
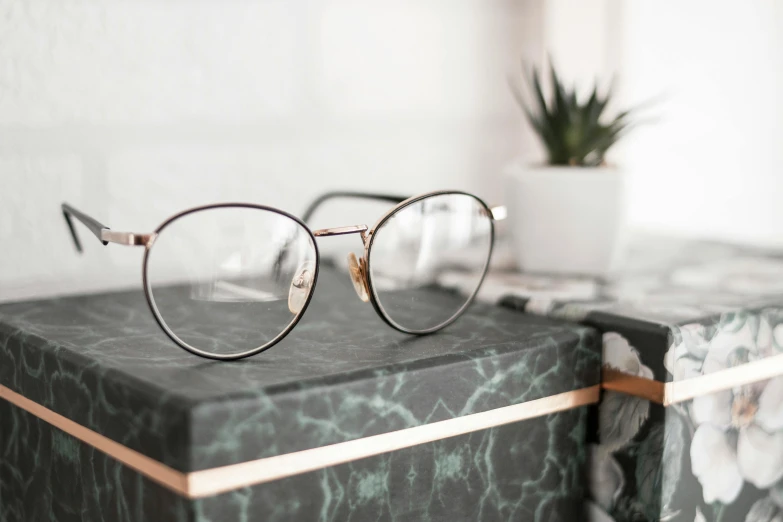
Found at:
[134, 110]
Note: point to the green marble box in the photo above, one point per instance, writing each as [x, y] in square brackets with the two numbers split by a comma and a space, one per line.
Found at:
[690, 427]
[103, 418]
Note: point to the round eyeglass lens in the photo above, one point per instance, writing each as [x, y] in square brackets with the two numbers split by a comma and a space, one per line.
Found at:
[227, 281]
[416, 250]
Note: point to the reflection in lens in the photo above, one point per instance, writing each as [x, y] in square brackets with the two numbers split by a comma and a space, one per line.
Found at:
[228, 280]
[412, 249]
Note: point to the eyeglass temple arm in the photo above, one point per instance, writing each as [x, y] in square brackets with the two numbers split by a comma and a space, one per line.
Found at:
[104, 234]
[347, 194]
[91, 223]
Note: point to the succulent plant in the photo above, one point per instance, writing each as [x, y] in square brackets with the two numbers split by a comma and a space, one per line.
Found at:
[574, 132]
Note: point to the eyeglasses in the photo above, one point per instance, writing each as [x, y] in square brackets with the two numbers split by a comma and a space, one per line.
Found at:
[230, 280]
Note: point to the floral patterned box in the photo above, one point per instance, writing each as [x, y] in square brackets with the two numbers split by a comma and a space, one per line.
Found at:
[690, 425]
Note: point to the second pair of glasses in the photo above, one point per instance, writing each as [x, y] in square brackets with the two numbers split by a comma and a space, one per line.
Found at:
[229, 280]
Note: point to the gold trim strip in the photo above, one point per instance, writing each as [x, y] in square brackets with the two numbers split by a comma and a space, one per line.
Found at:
[622, 382]
[214, 481]
[748, 373]
[150, 468]
[668, 393]
[226, 478]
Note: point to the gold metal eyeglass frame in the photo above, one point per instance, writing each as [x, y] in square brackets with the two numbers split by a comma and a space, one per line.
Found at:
[359, 269]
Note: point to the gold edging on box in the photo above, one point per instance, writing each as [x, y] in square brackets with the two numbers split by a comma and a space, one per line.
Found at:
[668, 393]
[150, 468]
[208, 482]
[622, 382]
[748, 373]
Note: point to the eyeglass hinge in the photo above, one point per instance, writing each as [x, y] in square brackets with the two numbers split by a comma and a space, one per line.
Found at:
[499, 213]
[126, 238]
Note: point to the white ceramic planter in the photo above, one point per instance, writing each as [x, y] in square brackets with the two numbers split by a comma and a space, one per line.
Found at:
[564, 219]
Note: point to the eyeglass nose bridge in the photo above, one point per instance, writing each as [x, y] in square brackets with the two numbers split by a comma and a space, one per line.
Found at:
[341, 231]
[357, 267]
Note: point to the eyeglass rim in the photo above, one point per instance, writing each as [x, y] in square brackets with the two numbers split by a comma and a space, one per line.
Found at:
[147, 285]
[371, 239]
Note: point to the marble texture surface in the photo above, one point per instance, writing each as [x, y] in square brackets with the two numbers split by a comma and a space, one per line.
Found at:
[664, 287]
[341, 374]
[531, 471]
[679, 310]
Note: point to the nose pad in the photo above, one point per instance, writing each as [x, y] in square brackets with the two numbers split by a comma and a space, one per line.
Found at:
[301, 286]
[358, 273]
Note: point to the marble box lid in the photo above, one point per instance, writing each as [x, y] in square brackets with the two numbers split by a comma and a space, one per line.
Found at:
[100, 364]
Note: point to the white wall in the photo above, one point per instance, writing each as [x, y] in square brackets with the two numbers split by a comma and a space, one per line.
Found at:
[134, 110]
[713, 165]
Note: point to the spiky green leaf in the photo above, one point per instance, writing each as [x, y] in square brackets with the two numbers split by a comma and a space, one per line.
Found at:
[573, 133]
